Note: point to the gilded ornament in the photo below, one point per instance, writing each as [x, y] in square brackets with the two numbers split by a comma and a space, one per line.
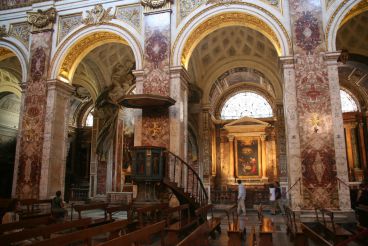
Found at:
[155, 3]
[3, 31]
[98, 15]
[76, 50]
[42, 20]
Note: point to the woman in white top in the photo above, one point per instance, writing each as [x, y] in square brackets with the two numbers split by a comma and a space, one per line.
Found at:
[273, 199]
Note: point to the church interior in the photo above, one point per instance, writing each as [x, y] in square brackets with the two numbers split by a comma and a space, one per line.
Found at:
[150, 115]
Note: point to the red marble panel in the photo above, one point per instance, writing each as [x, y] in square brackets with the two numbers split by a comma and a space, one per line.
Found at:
[157, 54]
[314, 106]
[101, 177]
[31, 141]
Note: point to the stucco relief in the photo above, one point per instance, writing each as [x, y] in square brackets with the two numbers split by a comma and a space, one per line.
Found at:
[20, 31]
[31, 142]
[67, 24]
[42, 19]
[98, 15]
[156, 128]
[131, 15]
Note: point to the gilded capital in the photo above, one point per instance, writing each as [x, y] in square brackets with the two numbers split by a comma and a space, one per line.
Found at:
[155, 4]
[42, 20]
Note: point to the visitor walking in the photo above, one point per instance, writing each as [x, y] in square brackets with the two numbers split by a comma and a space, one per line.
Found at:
[241, 198]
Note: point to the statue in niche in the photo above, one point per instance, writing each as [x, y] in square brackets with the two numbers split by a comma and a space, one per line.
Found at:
[107, 106]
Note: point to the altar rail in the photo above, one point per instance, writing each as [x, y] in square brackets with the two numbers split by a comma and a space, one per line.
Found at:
[255, 196]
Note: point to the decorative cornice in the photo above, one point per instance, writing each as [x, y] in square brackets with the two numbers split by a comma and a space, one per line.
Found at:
[42, 20]
[98, 15]
[268, 13]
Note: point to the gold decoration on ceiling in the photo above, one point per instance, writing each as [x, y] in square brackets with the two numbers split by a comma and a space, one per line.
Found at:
[223, 20]
[76, 53]
[5, 53]
[98, 15]
[42, 20]
[356, 10]
[266, 12]
[155, 4]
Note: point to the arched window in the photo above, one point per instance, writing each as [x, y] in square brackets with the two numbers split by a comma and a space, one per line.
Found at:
[89, 120]
[246, 104]
[348, 104]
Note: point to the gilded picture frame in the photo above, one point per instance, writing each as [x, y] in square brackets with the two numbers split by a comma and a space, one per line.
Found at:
[248, 154]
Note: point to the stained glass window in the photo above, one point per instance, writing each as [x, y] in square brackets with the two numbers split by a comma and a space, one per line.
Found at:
[348, 104]
[246, 104]
[89, 120]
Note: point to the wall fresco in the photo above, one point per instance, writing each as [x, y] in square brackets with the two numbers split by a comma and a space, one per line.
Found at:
[319, 184]
[31, 141]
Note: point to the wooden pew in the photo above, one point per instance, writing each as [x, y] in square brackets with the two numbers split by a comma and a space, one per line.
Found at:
[265, 232]
[86, 235]
[214, 223]
[198, 237]
[185, 222]
[93, 206]
[140, 237]
[338, 233]
[236, 229]
[362, 212]
[31, 223]
[33, 209]
[251, 239]
[151, 214]
[294, 228]
[42, 231]
[317, 233]
[113, 209]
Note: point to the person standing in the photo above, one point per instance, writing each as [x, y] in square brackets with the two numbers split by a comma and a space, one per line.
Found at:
[273, 199]
[278, 197]
[241, 198]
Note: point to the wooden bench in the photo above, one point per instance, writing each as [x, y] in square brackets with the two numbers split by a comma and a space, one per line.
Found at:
[185, 222]
[265, 232]
[42, 231]
[31, 223]
[362, 212]
[86, 235]
[214, 223]
[140, 237]
[294, 228]
[252, 239]
[338, 233]
[34, 208]
[198, 237]
[151, 214]
[317, 232]
[93, 206]
[236, 228]
[119, 208]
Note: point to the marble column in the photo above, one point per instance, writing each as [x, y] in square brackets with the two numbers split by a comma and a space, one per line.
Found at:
[28, 174]
[292, 133]
[318, 110]
[231, 177]
[281, 143]
[55, 140]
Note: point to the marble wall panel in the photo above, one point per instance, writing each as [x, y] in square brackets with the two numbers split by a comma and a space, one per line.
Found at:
[31, 140]
[319, 184]
[131, 15]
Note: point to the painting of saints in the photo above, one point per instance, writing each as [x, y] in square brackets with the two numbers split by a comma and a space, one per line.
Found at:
[247, 151]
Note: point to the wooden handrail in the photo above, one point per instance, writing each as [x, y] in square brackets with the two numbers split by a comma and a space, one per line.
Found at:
[342, 181]
[201, 194]
[298, 180]
[356, 236]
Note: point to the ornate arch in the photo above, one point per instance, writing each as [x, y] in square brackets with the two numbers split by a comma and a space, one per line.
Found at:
[238, 89]
[346, 10]
[215, 17]
[82, 41]
[253, 63]
[9, 48]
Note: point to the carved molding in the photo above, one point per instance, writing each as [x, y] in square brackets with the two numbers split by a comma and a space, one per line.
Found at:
[42, 20]
[98, 15]
[3, 31]
[155, 4]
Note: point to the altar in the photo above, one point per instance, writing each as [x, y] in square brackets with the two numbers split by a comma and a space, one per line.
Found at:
[247, 152]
